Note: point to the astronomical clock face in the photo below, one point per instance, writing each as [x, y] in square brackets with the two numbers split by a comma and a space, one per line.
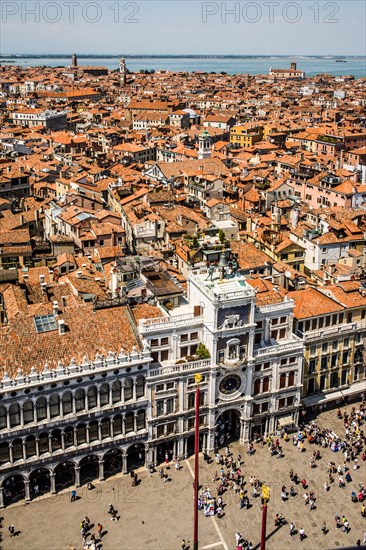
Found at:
[230, 384]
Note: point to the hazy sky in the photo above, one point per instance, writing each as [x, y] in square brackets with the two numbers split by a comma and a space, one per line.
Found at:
[183, 26]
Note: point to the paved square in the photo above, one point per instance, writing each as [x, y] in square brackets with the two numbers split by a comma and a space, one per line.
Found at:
[157, 515]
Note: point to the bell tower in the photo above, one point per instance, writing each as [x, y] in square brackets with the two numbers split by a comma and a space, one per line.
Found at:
[74, 60]
[123, 71]
[204, 145]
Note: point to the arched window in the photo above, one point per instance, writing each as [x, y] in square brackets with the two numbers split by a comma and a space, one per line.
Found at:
[41, 408]
[191, 400]
[67, 403]
[4, 453]
[81, 434]
[257, 386]
[30, 446]
[56, 440]
[105, 428]
[79, 400]
[14, 413]
[140, 420]
[140, 386]
[116, 392]
[104, 395]
[69, 437]
[128, 389]
[43, 444]
[92, 397]
[283, 380]
[17, 450]
[117, 425]
[28, 412]
[2, 417]
[93, 431]
[129, 423]
[54, 405]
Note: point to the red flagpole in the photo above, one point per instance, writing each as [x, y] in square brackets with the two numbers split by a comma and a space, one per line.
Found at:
[265, 499]
[196, 483]
[264, 525]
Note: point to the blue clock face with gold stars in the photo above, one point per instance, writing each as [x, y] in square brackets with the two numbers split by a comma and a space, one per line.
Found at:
[230, 384]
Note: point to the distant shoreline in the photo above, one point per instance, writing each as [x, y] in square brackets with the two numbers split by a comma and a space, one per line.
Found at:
[172, 56]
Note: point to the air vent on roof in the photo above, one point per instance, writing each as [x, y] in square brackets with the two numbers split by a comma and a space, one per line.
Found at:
[79, 274]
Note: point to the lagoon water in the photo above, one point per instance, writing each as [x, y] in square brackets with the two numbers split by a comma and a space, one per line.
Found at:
[231, 65]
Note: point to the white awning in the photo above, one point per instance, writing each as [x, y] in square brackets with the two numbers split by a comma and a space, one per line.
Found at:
[285, 421]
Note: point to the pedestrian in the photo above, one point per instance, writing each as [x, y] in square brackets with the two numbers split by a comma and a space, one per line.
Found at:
[292, 529]
[99, 529]
[237, 538]
[324, 528]
[177, 465]
[183, 545]
[166, 458]
[312, 504]
[302, 533]
[73, 495]
[11, 530]
[364, 537]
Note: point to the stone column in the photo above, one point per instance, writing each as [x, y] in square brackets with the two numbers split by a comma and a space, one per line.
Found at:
[124, 464]
[77, 476]
[21, 415]
[98, 398]
[87, 434]
[24, 449]
[250, 353]
[27, 490]
[101, 469]
[267, 329]
[1, 497]
[181, 394]
[11, 458]
[48, 410]
[63, 441]
[99, 431]
[37, 447]
[53, 482]
[8, 419]
[134, 391]
[123, 424]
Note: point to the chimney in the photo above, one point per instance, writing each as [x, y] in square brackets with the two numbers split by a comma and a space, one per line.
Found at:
[63, 301]
[55, 308]
[293, 66]
[21, 219]
[61, 326]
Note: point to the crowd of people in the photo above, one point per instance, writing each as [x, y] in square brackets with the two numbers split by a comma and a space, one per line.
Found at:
[349, 448]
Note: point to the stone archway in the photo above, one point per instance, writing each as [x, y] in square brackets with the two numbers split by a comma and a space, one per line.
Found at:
[64, 475]
[39, 482]
[227, 427]
[89, 469]
[113, 462]
[14, 489]
[136, 455]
